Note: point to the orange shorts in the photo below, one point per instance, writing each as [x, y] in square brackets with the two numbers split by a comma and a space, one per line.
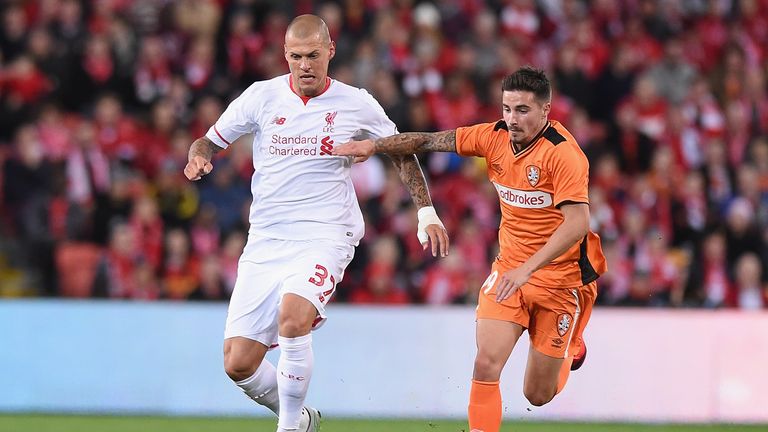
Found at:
[555, 317]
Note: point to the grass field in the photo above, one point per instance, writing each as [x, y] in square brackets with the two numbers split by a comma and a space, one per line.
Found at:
[58, 423]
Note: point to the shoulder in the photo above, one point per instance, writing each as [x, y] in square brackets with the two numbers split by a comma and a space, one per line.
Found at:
[561, 153]
[358, 108]
[355, 94]
[483, 131]
[271, 86]
[278, 84]
[494, 128]
[561, 142]
[481, 139]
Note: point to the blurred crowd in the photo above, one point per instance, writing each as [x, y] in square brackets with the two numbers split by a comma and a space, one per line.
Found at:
[100, 100]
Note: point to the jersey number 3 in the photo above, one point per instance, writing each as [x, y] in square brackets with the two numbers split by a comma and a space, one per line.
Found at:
[319, 279]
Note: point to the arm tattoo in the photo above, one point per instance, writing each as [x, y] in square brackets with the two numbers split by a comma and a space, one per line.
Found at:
[203, 147]
[417, 142]
[410, 174]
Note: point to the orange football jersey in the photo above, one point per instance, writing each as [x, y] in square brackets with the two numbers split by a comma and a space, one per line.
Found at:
[532, 184]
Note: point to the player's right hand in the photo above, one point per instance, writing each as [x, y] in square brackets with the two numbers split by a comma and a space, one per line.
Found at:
[197, 167]
[361, 150]
[511, 281]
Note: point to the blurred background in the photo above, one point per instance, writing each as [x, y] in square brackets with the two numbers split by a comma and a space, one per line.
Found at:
[100, 100]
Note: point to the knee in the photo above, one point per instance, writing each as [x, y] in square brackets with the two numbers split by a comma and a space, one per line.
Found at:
[239, 367]
[294, 325]
[538, 396]
[486, 368]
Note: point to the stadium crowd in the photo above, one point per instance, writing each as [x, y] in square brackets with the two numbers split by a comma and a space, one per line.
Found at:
[100, 100]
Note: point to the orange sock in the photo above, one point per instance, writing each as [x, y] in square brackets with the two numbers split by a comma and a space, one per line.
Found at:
[565, 371]
[485, 406]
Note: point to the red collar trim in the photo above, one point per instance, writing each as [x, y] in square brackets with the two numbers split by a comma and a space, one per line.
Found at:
[306, 99]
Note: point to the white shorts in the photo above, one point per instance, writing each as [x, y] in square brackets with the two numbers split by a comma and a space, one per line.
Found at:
[269, 268]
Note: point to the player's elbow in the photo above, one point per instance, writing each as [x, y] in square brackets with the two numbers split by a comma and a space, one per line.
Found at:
[583, 228]
[577, 220]
[577, 227]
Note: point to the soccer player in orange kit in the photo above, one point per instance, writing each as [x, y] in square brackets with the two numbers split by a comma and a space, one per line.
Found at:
[544, 279]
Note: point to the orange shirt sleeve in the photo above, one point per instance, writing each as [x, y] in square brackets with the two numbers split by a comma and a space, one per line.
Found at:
[570, 174]
[474, 140]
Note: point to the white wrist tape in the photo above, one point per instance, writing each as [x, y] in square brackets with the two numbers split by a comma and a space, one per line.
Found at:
[427, 216]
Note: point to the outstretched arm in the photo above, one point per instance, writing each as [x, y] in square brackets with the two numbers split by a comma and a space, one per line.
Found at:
[200, 154]
[430, 227]
[401, 144]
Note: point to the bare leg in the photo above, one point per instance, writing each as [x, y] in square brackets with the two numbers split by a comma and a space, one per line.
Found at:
[541, 377]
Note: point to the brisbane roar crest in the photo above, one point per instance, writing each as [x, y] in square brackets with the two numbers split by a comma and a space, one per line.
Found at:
[563, 324]
[533, 173]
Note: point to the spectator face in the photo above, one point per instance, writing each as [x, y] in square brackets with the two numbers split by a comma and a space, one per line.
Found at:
[714, 248]
[749, 181]
[108, 110]
[748, 271]
[163, 116]
[177, 243]
[674, 52]
[28, 147]
[122, 241]
[308, 59]
[760, 153]
[14, 22]
[645, 92]
[524, 114]
[40, 43]
[70, 13]
[242, 23]
[740, 216]
[85, 136]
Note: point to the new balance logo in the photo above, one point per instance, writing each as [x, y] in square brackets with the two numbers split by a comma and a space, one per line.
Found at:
[278, 120]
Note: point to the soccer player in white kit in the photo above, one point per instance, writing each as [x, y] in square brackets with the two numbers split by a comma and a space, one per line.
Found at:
[304, 220]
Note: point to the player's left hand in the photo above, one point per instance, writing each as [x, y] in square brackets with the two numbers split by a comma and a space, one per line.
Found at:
[511, 281]
[361, 150]
[431, 231]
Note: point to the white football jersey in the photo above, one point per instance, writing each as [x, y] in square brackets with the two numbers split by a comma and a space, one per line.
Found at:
[299, 190]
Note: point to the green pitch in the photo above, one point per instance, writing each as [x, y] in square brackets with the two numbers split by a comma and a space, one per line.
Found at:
[56, 423]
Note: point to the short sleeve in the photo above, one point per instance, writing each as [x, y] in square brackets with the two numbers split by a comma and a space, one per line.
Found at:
[474, 140]
[377, 124]
[237, 120]
[570, 175]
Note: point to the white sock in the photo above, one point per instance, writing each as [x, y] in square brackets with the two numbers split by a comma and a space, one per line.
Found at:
[262, 386]
[294, 370]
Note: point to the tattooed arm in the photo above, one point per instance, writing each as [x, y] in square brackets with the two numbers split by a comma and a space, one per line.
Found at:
[200, 154]
[410, 173]
[401, 148]
[401, 144]
[417, 142]
[430, 227]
